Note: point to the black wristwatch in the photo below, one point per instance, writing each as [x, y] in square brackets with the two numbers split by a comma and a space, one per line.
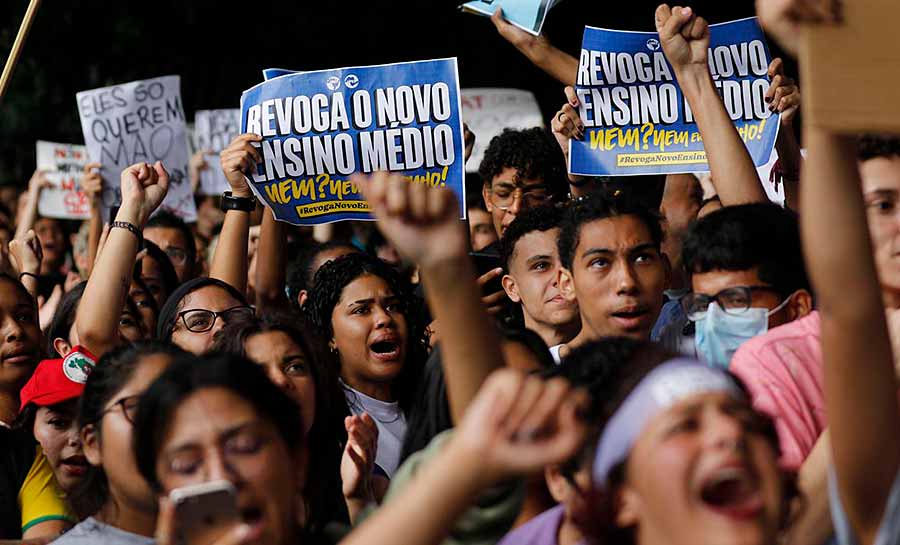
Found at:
[244, 204]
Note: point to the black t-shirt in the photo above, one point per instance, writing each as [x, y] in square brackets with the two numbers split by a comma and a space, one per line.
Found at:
[17, 451]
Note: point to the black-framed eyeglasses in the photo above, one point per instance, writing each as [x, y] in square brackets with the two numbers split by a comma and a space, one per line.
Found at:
[734, 300]
[503, 198]
[199, 320]
[128, 405]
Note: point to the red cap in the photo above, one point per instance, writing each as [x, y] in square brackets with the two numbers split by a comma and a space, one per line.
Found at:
[55, 381]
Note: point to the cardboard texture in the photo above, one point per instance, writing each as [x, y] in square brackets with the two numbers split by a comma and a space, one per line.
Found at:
[850, 72]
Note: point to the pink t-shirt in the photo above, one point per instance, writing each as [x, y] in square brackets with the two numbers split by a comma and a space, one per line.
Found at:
[783, 371]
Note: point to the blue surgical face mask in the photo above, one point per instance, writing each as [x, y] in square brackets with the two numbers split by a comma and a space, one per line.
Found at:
[718, 334]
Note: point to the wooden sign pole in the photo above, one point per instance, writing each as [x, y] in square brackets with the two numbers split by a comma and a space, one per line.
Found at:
[17, 46]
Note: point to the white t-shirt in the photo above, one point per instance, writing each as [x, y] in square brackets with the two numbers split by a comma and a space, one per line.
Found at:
[888, 532]
[91, 531]
[391, 426]
[554, 353]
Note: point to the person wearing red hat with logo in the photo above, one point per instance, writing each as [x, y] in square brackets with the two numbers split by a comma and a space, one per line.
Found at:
[49, 407]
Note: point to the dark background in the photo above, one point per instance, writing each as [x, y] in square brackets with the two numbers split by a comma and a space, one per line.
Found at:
[218, 48]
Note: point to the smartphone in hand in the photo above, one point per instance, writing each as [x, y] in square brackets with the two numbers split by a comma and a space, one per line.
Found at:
[205, 512]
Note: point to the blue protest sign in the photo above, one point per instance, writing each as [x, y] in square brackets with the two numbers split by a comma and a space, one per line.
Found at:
[320, 127]
[272, 73]
[529, 15]
[636, 118]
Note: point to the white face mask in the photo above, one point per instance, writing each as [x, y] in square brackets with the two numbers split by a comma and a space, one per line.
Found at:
[719, 334]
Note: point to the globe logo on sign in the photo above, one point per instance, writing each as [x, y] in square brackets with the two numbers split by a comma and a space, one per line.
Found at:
[351, 81]
[333, 83]
[653, 44]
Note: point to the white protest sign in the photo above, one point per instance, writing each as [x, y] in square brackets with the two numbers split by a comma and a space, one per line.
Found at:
[213, 131]
[63, 163]
[141, 121]
[488, 111]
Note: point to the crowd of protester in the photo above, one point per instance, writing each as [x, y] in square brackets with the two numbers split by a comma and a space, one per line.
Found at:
[705, 366]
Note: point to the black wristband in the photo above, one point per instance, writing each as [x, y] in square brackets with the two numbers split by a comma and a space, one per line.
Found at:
[129, 227]
[243, 204]
[21, 274]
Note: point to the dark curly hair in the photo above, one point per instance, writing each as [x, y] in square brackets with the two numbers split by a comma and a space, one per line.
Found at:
[532, 152]
[327, 433]
[542, 218]
[599, 206]
[329, 284]
[871, 146]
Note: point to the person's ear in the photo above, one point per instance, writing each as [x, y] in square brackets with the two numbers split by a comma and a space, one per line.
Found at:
[332, 345]
[799, 305]
[486, 195]
[556, 483]
[627, 507]
[511, 289]
[61, 346]
[302, 297]
[90, 444]
[566, 283]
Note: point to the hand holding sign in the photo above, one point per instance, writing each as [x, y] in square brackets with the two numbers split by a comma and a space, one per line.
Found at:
[92, 183]
[420, 221]
[144, 187]
[238, 159]
[783, 95]
[684, 37]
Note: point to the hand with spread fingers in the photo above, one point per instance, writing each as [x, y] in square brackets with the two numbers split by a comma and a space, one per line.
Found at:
[358, 462]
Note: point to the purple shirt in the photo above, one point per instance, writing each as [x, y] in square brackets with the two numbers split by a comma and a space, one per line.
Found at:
[541, 530]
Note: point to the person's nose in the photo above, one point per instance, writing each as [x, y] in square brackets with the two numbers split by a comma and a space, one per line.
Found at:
[626, 279]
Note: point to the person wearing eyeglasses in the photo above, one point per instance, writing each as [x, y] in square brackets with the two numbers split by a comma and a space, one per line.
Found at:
[197, 310]
[115, 505]
[747, 276]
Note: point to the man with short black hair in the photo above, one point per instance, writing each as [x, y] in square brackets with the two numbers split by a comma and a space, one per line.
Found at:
[747, 275]
[613, 266]
[530, 256]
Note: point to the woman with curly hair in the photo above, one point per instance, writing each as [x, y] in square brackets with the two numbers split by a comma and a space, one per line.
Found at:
[367, 316]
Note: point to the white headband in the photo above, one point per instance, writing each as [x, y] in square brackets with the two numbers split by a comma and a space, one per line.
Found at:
[663, 387]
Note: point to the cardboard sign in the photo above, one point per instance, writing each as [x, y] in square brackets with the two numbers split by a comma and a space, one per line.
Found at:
[213, 131]
[850, 72]
[636, 118]
[64, 164]
[141, 121]
[320, 127]
[488, 111]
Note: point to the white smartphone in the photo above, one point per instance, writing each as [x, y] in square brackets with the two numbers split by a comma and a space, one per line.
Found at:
[205, 512]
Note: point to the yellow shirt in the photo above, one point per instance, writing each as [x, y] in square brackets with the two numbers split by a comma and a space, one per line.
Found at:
[40, 498]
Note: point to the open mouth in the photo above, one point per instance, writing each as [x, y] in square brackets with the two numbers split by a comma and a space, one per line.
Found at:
[385, 350]
[733, 492]
[75, 465]
[251, 515]
[631, 317]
